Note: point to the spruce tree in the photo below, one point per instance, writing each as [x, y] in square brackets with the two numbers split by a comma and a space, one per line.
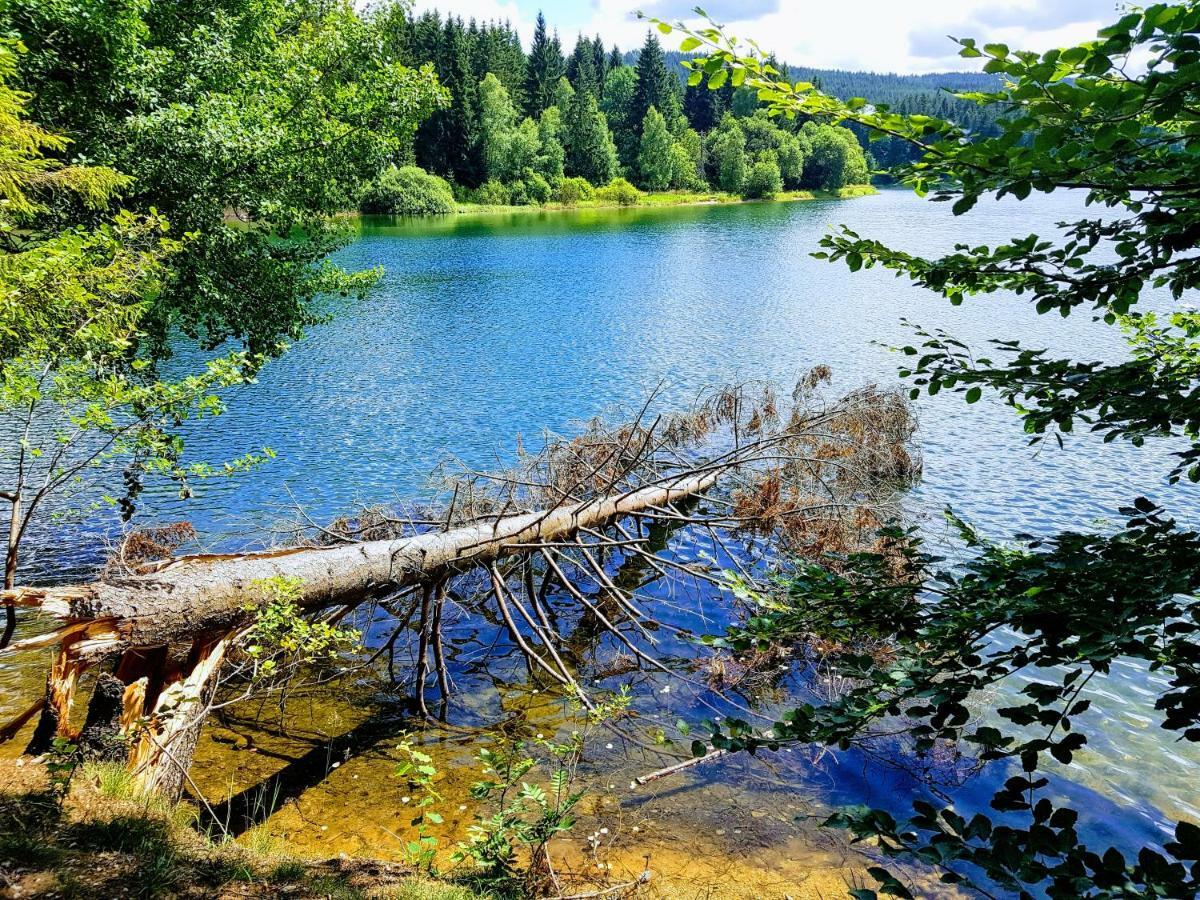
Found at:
[615, 59]
[600, 64]
[544, 69]
[581, 68]
[702, 107]
[590, 152]
[656, 86]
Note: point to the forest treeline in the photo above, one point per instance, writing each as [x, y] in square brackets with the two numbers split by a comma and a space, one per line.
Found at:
[530, 127]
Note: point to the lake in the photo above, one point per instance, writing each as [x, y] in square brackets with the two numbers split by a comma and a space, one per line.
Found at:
[486, 328]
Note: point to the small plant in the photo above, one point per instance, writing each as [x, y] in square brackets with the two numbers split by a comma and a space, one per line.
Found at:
[61, 761]
[612, 707]
[281, 632]
[527, 815]
[418, 770]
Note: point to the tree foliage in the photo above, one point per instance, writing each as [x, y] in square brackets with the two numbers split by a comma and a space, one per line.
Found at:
[279, 111]
[654, 155]
[76, 395]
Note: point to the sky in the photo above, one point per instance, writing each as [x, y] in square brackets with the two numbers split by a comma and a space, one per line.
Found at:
[907, 36]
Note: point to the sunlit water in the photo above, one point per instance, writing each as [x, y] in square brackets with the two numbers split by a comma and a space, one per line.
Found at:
[484, 329]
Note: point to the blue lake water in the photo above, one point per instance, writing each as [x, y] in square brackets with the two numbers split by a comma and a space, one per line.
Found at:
[486, 328]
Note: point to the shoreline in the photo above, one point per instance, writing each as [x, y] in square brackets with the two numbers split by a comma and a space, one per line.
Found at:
[660, 199]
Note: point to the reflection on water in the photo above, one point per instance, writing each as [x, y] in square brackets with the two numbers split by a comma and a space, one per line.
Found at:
[486, 328]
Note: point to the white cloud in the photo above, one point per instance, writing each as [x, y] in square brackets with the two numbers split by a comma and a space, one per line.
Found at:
[877, 35]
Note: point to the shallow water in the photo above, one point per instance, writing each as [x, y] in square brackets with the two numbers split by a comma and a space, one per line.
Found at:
[484, 328]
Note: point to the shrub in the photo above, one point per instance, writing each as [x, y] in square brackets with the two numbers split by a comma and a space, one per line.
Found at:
[574, 190]
[538, 188]
[518, 193]
[409, 191]
[620, 192]
[763, 181]
[493, 193]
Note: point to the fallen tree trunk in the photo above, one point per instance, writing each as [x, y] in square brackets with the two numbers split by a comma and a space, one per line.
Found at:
[214, 594]
[172, 624]
[200, 602]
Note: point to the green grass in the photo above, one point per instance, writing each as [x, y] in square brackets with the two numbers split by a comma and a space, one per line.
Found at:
[106, 838]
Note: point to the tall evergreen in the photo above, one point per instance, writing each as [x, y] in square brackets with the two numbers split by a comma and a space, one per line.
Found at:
[616, 59]
[498, 51]
[448, 142]
[581, 68]
[702, 107]
[590, 152]
[656, 86]
[599, 63]
[544, 68]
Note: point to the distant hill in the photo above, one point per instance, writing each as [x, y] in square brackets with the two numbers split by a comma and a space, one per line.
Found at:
[925, 94]
[878, 87]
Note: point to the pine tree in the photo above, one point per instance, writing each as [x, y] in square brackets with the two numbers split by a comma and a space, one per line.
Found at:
[544, 68]
[656, 86]
[448, 142]
[600, 64]
[702, 107]
[654, 154]
[581, 68]
[615, 59]
[590, 152]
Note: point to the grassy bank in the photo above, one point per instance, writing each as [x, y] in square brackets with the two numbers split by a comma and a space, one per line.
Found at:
[103, 840]
[675, 198]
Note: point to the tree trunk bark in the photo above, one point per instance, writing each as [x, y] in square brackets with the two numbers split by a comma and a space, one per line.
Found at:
[213, 594]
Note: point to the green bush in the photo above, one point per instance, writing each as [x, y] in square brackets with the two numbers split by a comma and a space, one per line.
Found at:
[763, 181]
[538, 188]
[619, 191]
[574, 190]
[409, 191]
[493, 193]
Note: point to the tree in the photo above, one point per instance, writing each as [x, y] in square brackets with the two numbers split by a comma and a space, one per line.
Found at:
[75, 394]
[551, 155]
[281, 111]
[544, 69]
[599, 64]
[581, 68]
[793, 153]
[702, 107]
[654, 86]
[563, 94]
[686, 153]
[590, 152]
[497, 119]
[728, 155]
[615, 59]
[654, 154]
[1072, 118]
[763, 179]
[836, 159]
[617, 106]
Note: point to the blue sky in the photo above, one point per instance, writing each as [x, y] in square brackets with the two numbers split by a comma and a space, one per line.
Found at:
[878, 35]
